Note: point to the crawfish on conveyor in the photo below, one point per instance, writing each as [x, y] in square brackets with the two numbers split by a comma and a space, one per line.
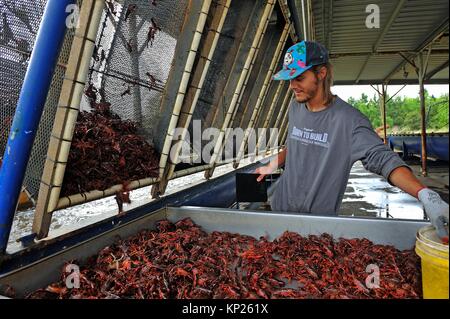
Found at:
[106, 150]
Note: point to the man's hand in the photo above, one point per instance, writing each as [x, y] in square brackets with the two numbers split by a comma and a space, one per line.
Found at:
[436, 209]
[272, 166]
[263, 171]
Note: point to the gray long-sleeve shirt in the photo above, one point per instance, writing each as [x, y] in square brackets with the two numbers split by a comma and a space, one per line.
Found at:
[321, 150]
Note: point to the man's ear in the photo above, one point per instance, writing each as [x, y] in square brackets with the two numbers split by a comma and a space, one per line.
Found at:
[323, 73]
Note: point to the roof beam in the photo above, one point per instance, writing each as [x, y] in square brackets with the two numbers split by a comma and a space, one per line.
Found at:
[391, 82]
[434, 35]
[379, 53]
[361, 71]
[440, 29]
[436, 70]
[381, 36]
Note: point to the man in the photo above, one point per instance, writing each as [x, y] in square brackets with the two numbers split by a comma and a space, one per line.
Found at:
[326, 137]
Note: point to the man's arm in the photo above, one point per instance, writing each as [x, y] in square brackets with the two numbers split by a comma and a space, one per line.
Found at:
[435, 208]
[380, 159]
[272, 166]
[403, 178]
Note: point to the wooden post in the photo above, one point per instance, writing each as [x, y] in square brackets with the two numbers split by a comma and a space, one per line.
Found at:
[383, 109]
[421, 72]
[382, 102]
[423, 135]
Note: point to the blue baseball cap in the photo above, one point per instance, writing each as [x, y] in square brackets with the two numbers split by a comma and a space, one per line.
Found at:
[301, 57]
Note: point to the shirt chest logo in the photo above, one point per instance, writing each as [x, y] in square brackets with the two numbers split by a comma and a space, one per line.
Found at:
[309, 136]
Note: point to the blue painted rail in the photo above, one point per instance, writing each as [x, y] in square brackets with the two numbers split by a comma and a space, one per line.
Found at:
[29, 110]
[437, 145]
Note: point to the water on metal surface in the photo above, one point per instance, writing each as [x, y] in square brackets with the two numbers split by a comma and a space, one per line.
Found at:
[368, 194]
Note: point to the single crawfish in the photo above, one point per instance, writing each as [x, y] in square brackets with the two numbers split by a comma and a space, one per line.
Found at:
[130, 45]
[95, 53]
[111, 7]
[152, 32]
[123, 197]
[91, 92]
[126, 92]
[131, 8]
[102, 93]
[103, 56]
[151, 79]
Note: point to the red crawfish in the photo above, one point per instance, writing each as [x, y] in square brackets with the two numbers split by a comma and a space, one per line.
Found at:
[102, 93]
[103, 56]
[91, 92]
[152, 32]
[126, 92]
[130, 45]
[111, 7]
[123, 196]
[131, 8]
[95, 53]
[24, 47]
[152, 79]
[99, 54]
[182, 261]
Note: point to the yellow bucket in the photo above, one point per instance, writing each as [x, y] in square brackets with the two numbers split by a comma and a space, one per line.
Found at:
[434, 260]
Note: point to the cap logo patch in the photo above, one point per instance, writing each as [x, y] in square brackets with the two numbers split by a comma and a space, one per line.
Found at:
[288, 59]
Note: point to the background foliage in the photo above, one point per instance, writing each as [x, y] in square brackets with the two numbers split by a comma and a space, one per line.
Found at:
[403, 113]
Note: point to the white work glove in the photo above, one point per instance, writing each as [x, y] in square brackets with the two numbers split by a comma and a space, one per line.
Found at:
[436, 209]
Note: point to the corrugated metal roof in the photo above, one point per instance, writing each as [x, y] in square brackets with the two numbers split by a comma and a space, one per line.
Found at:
[371, 55]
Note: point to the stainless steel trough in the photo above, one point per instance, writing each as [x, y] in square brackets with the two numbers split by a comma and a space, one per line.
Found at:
[399, 233]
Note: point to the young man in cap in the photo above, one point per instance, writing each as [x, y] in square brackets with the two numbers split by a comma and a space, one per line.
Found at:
[326, 137]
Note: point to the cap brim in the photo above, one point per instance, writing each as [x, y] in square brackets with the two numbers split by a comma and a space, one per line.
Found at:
[286, 75]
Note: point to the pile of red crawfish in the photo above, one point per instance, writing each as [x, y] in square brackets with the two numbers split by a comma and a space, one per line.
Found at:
[182, 261]
[106, 151]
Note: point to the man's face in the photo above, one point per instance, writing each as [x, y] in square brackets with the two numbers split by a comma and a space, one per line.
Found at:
[305, 86]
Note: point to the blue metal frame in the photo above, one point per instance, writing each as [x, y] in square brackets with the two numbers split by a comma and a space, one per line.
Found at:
[29, 110]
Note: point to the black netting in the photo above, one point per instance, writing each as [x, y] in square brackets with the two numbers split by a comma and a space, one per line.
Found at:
[130, 67]
[135, 51]
[40, 147]
[133, 56]
[19, 22]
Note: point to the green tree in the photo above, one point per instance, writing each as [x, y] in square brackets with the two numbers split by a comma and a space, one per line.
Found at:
[403, 113]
